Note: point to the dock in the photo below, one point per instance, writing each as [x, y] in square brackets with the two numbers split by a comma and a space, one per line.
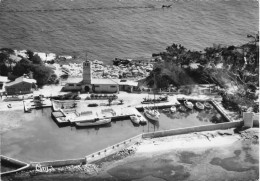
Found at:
[30, 104]
[99, 113]
[59, 118]
[71, 116]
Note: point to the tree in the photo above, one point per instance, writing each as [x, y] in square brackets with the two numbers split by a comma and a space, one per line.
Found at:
[30, 54]
[41, 74]
[36, 59]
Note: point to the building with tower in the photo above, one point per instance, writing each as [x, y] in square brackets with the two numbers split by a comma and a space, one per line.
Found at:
[88, 84]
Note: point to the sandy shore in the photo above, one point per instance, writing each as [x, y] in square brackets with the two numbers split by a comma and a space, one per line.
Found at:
[181, 157]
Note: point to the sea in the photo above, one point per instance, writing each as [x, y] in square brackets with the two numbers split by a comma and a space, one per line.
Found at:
[106, 29]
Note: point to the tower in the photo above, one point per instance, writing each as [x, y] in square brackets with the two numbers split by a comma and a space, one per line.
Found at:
[87, 72]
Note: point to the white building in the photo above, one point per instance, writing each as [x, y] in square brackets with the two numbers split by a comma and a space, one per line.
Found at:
[88, 84]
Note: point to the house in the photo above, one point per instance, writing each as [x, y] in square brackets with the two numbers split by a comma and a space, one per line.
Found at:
[127, 85]
[21, 85]
[88, 84]
[3, 81]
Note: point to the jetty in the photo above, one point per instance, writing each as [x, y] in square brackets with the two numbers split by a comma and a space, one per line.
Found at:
[39, 104]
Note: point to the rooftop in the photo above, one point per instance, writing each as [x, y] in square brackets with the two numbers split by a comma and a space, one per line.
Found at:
[4, 79]
[21, 79]
[76, 80]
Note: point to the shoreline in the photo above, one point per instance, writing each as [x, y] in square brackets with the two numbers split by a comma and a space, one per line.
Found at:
[149, 148]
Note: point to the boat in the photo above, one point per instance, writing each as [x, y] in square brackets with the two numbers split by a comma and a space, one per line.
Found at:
[27, 109]
[165, 110]
[142, 119]
[135, 119]
[199, 105]
[188, 104]
[173, 109]
[208, 105]
[182, 108]
[152, 114]
[166, 6]
[95, 122]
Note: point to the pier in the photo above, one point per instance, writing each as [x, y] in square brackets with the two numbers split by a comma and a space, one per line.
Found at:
[32, 104]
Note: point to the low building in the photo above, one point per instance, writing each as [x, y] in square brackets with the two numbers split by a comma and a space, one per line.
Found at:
[21, 85]
[3, 81]
[127, 85]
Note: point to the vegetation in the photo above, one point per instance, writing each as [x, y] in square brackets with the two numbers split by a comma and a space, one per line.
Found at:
[15, 66]
[233, 68]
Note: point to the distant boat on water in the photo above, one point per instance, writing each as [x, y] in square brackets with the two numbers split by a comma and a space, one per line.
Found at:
[166, 6]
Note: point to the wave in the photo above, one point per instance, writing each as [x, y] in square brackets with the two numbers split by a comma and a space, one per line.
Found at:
[79, 9]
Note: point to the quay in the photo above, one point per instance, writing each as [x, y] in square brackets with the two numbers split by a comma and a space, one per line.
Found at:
[70, 112]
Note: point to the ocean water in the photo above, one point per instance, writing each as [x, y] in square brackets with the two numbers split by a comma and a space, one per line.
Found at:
[106, 29]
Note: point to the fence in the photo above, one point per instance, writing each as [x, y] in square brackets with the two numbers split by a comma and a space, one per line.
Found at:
[192, 129]
[112, 149]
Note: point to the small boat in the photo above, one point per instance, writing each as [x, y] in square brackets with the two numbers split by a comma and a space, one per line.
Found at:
[208, 105]
[135, 119]
[199, 105]
[94, 122]
[151, 114]
[188, 104]
[142, 119]
[166, 6]
[173, 109]
[182, 108]
[27, 110]
[165, 110]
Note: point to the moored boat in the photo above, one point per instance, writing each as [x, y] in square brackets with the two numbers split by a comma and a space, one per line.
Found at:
[165, 110]
[135, 119]
[182, 108]
[208, 105]
[152, 114]
[188, 104]
[142, 119]
[173, 109]
[94, 122]
[199, 105]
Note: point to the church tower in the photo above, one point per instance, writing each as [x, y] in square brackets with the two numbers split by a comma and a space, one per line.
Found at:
[87, 72]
